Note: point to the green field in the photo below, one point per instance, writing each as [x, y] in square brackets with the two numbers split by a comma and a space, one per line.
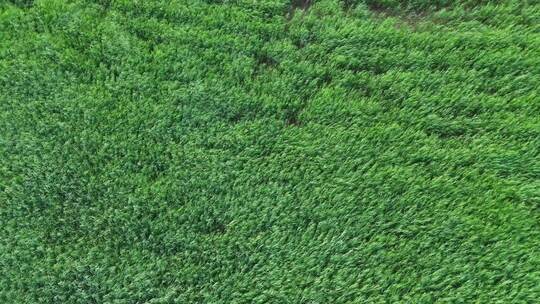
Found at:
[271, 151]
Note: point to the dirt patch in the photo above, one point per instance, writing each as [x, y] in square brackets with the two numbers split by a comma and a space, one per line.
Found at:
[298, 4]
[301, 4]
[407, 18]
[292, 117]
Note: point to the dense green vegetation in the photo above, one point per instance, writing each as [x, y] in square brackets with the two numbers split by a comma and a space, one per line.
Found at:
[269, 151]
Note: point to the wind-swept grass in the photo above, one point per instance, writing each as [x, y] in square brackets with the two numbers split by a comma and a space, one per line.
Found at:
[269, 151]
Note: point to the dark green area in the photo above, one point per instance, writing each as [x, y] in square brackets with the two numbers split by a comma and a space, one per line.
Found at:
[246, 152]
[423, 6]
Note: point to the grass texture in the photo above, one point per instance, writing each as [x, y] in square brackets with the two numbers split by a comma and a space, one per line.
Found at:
[269, 151]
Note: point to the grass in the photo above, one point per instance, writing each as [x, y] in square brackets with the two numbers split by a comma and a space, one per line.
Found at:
[269, 151]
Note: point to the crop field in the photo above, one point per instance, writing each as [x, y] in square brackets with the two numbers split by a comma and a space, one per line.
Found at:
[269, 151]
